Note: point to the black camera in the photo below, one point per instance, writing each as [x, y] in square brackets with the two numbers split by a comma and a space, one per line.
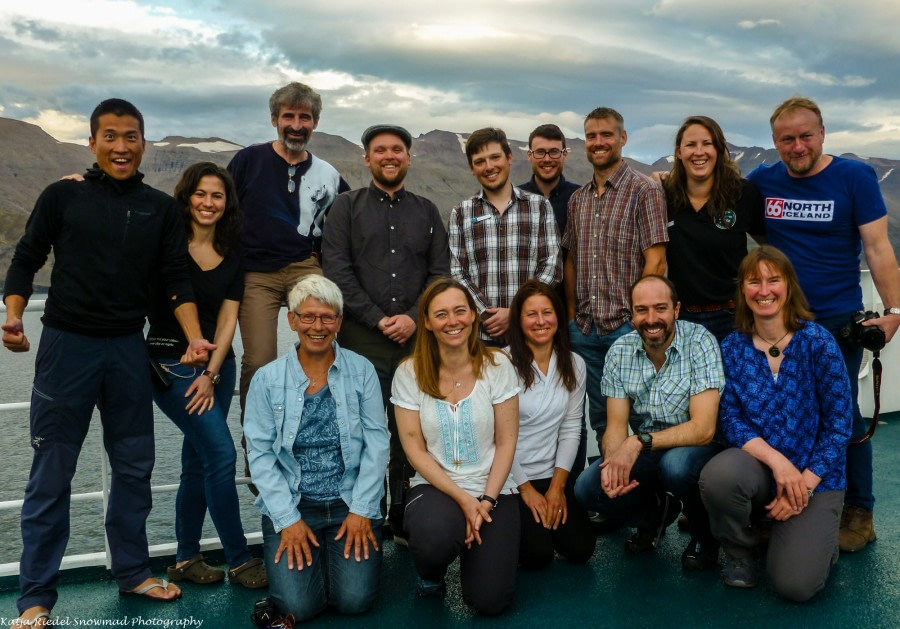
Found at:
[264, 613]
[870, 337]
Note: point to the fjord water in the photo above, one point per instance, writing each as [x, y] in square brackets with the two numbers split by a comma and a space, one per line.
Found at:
[16, 375]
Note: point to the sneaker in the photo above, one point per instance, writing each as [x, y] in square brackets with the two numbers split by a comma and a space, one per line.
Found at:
[401, 538]
[700, 554]
[603, 525]
[739, 572]
[647, 540]
[857, 529]
[427, 589]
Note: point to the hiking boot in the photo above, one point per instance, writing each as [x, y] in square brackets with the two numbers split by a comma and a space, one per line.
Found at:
[857, 529]
[647, 540]
[739, 572]
[700, 554]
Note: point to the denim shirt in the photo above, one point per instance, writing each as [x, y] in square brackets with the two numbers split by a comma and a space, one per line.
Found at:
[272, 419]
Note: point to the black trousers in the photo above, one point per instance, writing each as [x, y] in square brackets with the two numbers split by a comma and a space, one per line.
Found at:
[437, 533]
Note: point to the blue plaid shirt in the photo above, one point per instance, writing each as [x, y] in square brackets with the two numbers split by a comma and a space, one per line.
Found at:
[662, 399]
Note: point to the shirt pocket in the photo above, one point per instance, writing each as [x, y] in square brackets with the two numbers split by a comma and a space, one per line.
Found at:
[671, 400]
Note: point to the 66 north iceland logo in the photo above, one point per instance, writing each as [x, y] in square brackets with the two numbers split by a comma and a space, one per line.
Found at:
[792, 209]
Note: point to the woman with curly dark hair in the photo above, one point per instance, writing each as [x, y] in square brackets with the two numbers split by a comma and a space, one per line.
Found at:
[711, 210]
[551, 412]
[198, 399]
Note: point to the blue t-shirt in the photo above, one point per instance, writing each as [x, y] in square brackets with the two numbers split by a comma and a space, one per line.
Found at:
[317, 448]
[815, 222]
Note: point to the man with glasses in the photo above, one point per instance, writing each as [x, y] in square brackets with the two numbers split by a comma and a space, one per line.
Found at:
[547, 155]
[383, 246]
[285, 192]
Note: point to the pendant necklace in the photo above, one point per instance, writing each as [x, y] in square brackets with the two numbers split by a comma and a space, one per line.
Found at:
[774, 352]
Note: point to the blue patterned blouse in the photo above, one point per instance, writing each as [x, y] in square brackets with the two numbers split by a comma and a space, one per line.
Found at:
[318, 448]
[806, 415]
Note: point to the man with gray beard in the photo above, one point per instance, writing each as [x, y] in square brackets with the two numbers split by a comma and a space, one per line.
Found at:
[285, 192]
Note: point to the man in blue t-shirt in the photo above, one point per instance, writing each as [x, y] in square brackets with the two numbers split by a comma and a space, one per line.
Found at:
[822, 210]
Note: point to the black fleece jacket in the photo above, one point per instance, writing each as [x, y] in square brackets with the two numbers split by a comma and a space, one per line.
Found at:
[109, 238]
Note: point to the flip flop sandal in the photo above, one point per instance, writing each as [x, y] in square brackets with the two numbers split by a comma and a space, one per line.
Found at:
[159, 583]
[20, 622]
[197, 571]
[251, 574]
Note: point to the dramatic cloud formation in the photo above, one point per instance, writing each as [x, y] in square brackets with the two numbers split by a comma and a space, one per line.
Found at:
[207, 67]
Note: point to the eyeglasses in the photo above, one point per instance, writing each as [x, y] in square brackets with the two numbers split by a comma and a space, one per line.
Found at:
[308, 317]
[552, 153]
[291, 184]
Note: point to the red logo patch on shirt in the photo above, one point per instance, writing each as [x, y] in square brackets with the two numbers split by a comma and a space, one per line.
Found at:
[774, 208]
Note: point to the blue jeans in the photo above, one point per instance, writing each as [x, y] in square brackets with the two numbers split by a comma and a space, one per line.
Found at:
[860, 492]
[207, 464]
[346, 584]
[593, 348]
[720, 322]
[676, 470]
[72, 374]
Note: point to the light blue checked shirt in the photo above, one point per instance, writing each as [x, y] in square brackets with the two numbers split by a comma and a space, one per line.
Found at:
[662, 399]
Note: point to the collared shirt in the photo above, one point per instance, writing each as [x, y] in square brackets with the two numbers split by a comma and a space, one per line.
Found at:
[383, 251]
[492, 254]
[662, 398]
[550, 420]
[608, 235]
[559, 198]
[274, 410]
[806, 414]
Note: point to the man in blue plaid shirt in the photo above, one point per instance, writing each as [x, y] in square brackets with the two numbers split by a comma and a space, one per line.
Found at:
[671, 371]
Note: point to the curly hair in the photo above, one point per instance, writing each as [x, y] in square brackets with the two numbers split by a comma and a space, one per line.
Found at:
[228, 228]
[521, 354]
[727, 179]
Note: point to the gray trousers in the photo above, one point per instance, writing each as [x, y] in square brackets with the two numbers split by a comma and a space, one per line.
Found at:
[735, 488]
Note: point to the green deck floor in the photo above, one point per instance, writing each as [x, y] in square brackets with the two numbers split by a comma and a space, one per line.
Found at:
[613, 590]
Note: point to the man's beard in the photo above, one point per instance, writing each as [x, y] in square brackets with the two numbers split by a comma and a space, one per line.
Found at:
[293, 143]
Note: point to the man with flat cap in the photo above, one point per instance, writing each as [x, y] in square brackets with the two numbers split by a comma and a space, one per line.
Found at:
[383, 245]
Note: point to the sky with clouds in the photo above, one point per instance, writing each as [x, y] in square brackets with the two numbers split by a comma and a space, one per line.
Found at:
[206, 68]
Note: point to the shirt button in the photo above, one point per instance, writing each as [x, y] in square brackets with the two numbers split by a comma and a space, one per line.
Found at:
[393, 299]
[290, 436]
[393, 275]
[392, 251]
[392, 227]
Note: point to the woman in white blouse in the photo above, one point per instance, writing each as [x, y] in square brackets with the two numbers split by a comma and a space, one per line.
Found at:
[551, 411]
[456, 404]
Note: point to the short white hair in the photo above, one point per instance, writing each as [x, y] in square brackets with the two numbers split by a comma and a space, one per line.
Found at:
[318, 287]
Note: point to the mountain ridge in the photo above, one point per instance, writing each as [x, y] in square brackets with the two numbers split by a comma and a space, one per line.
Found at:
[30, 159]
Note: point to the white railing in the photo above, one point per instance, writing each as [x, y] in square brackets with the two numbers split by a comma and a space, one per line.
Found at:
[102, 558]
[890, 401]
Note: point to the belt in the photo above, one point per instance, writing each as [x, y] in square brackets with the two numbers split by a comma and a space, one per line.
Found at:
[728, 305]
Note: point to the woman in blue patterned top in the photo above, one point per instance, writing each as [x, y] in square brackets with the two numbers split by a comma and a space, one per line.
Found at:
[787, 411]
[317, 443]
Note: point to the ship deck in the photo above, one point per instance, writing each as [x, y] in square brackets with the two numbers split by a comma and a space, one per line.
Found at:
[612, 590]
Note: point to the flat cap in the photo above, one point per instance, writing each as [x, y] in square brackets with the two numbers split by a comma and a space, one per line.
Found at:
[374, 130]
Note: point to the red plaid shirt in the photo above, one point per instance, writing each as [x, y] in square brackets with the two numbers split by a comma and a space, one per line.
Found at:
[608, 235]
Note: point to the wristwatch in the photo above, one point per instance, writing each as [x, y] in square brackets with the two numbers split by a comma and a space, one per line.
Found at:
[890, 311]
[213, 377]
[646, 440]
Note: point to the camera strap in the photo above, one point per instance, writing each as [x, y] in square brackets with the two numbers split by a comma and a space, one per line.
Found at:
[876, 387]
